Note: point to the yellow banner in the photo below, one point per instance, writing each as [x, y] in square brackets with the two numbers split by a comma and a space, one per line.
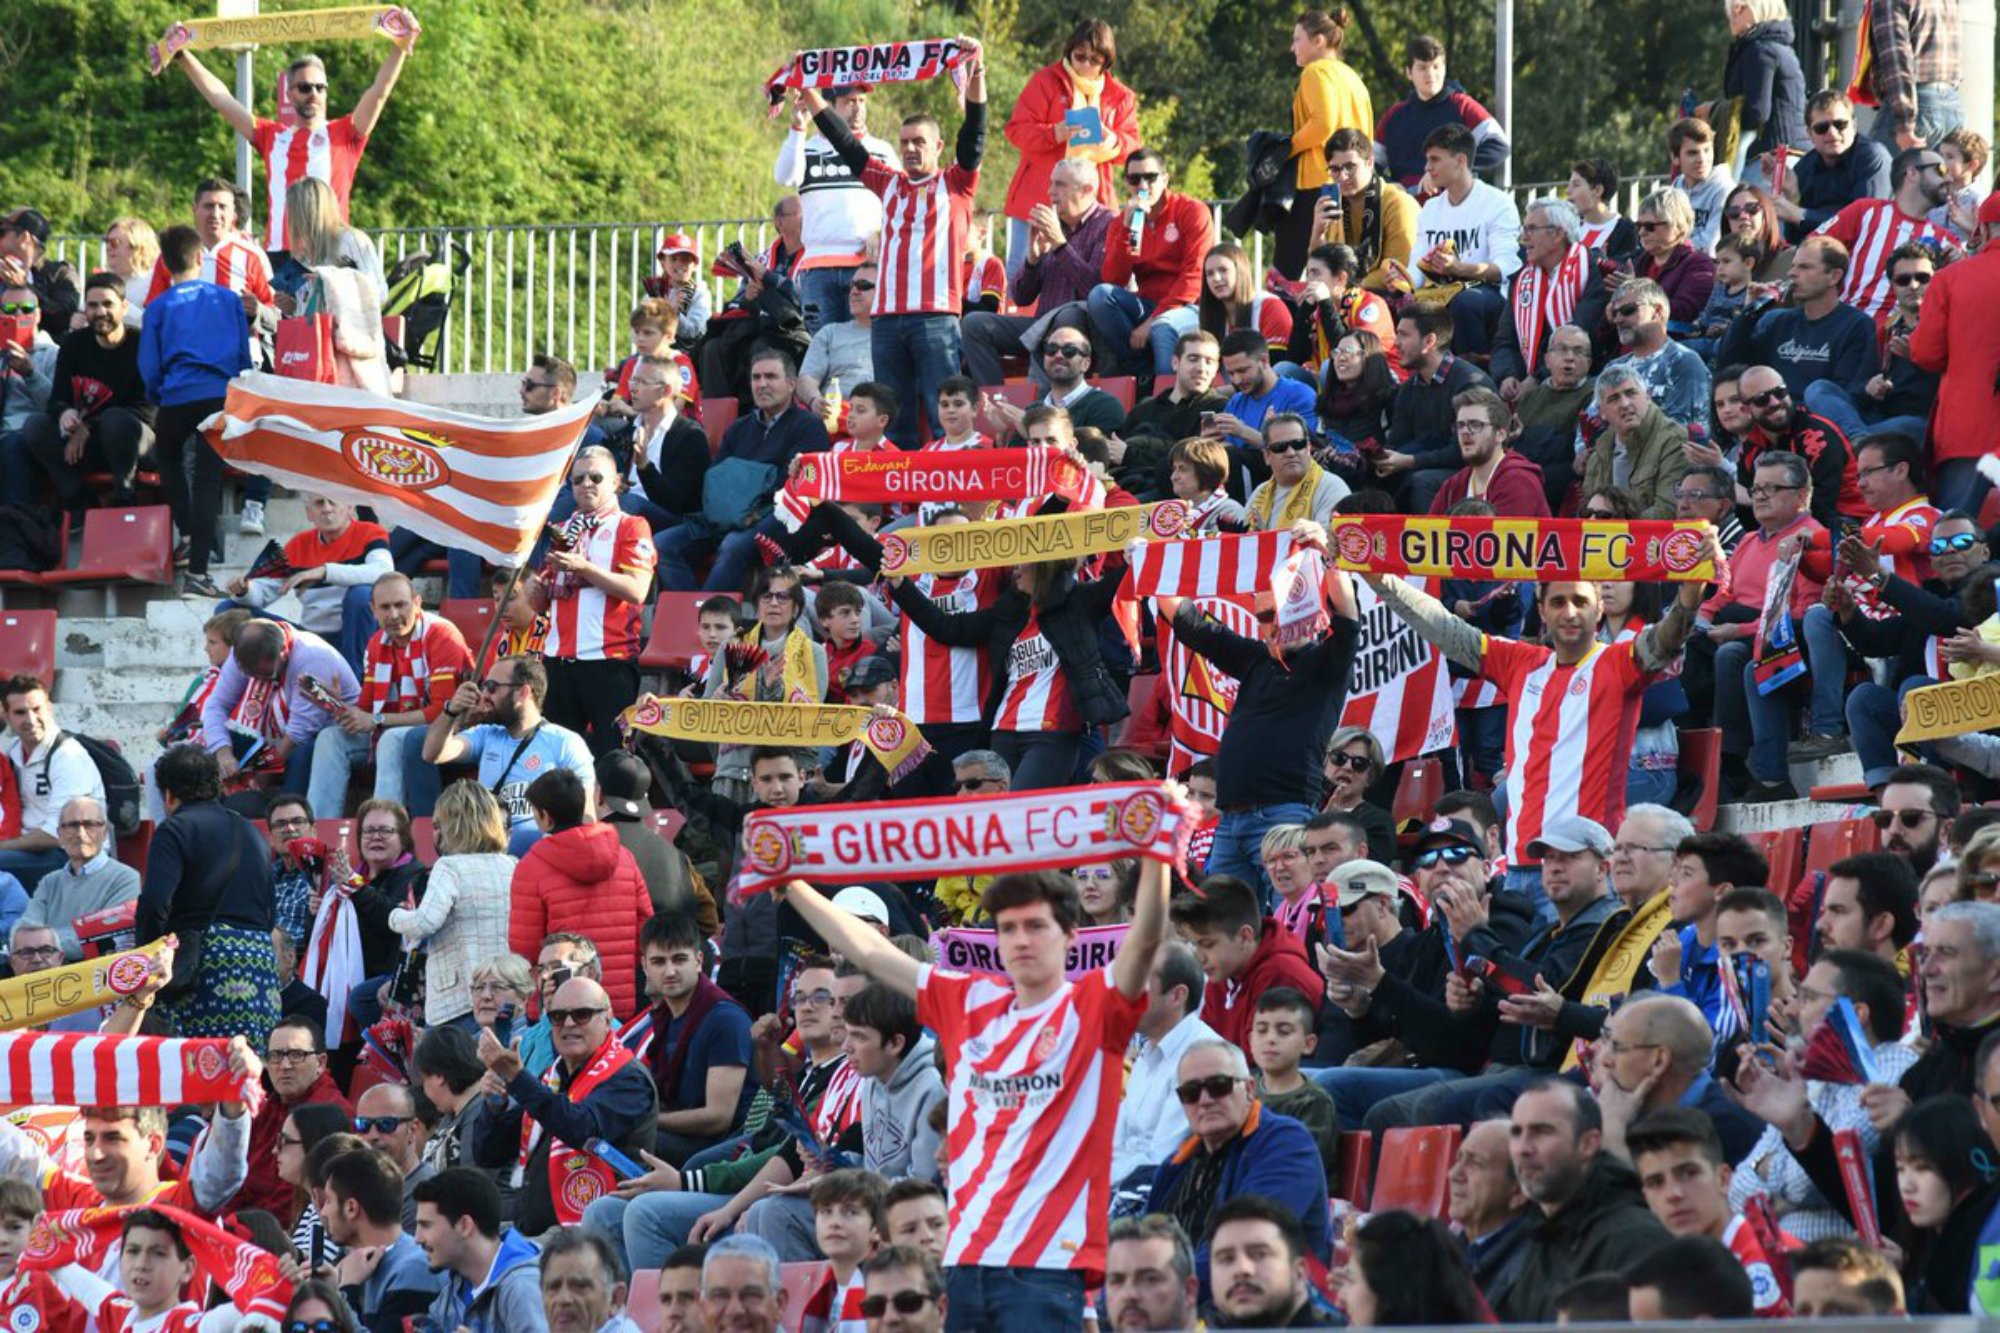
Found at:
[1955, 708]
[42, 997]
[892, 738]
[352, 23]
[1612, 979]
[1018, 541]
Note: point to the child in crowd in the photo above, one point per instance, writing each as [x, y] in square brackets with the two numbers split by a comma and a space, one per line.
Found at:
[522, 628]
[1978, 598]
[842, 609]
[1735, 261]
[848, 1224]
[218, 635]
[154, 1267]
[917, 1215]
[985, 272]
[1200, 782]
[870, 409]
[958, 415]
[1281, 1035]
[715, 626]
[26, 1295]
[1964, 151]
[655, 325]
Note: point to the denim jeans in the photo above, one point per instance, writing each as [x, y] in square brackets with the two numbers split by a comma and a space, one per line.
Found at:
[1356, 1088]
[1939, 112]
[336, 755]
[17, 468]
[647, 1229]
[1453, 1101]
[1238, 848]
[913, 355]
[1650, 786]
[1874, 716]
[1837, 405]
[785, 1220]
[1957, 483]
[679, 550]
[1116, 312]
[979, 1300]
[735, 559]
[1527, 881]
[1482, 739]
[30, 866]
[521, 837]
[1767, 718]
[1017, 247]
[823, 296]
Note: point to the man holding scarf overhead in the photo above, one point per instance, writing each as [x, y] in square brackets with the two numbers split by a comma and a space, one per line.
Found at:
[1560, 283]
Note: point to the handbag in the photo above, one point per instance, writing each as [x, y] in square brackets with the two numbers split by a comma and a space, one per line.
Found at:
[194, 943]
[304, 344]
[735, 491]
[407, 987]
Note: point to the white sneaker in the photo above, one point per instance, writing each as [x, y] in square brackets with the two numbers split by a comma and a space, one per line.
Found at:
[251, 524]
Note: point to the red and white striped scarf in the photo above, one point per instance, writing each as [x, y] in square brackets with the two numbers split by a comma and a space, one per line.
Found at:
[891, 476]
[1235, 564]
[400, 673]
[264, 707]
[1544, 303]
[575, 531]
[246, 1271]
[333, 965]
[92, 1069]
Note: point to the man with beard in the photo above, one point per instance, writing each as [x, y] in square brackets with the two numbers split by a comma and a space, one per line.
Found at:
[1779, 425]
[508, 739]
[1257, 1268]
[98, 418]
[1676, 378]
[1872, 229]
[700, 1054]
[1593, 1217]
[1870, 904]
[1504, 478]
[1149, 1281]
[1915, 811]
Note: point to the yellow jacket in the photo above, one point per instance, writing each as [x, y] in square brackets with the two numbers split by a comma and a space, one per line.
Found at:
[1331, 97]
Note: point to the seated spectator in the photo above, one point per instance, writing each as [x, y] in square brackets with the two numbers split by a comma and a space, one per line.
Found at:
[1707, 492]
[1668, 256]
[1198, 471]
[624, 788]
[1691, 1278]
[413, 665]
[1159, 422]
[492, 1279]
[89, 880]
[333, 568]
[841, 354]
[1423, 426]
[1351, 765]
[1593, 192]
[195, 341]
[665, 451]
[1874, 229]
[1355, 403]
[51, 769]
[579, 876]
[1778, 423]
[1818, 338]
[1484, 1200]
[1640, 449]
[98, 418]
[27, 377]
[1656, 1050]
[1174, 232]
[1330, 305]
[34, 948]
[1257, 1251]
[385, 1118]
[1298, 487]
[597, 1090]
[1410, 1270]
[131, 248]
[1751, 215]
[391, 877]
[1841, 168]
[1149, 1128]
[1559, 283]
[383, 1274]
[522, 628]
[504, 726]
[1374, 217]
[1236, 1147]
[1675, 377]
[288, 817]
[1468, 242]
[1547, 412]
[1231, 297]
[1434, 100]
[1059, 262]
[24, 262]
[1900, 396]
[462, 917]
[1691, 145]
[1243, 953]
[1065, 357]
[1281, 1035]
[1505, 479]
[699, 1055]
[445, 1067]
[1839, 1277]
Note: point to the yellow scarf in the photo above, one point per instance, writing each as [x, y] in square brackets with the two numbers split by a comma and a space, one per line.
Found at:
[1088, 90]
[1298, 504]
[800, 683]
[42, 997]
[894, 740]
[1611, 981]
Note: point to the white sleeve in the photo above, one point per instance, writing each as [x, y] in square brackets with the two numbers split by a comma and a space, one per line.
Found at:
[440, 893]
[219, 1162]
[1503, 242]
[371, 566]
[21, 1158]
[82, 1286]
[262, 592]
[790, 171]
[72, 773]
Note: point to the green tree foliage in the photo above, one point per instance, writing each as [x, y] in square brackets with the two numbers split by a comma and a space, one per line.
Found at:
[540, 110]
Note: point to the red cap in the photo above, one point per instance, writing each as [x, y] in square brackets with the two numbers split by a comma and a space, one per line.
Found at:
[678, 243]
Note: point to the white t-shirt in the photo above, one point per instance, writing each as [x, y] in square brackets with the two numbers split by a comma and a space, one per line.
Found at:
[1486, 228]
[51, 780]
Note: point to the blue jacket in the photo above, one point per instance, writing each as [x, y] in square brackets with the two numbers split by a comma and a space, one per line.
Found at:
[195, 340]
[508, 1300]
[1861, 173]
[1275, 1156]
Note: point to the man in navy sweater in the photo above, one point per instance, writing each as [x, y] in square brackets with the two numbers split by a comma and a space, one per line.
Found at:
[195, 340]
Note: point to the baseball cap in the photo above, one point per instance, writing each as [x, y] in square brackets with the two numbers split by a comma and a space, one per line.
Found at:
[29, 220]
[1444, 832]
[1362, 879]
[678, 243]
[1572, 833]
[877, 669]
[864, 903]
[626, 782]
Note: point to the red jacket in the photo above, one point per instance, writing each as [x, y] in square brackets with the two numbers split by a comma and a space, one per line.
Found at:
[1032, 130]
[1280, 960]
[583, 880]
[262, 1188]
[1959, 337]
[1515, 491]
[1178, 234]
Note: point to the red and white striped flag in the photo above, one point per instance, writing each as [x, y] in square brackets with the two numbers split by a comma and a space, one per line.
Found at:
[1238, 565]
[1200, 693]
[469, 483]
[91, 1069]
[1400, 689]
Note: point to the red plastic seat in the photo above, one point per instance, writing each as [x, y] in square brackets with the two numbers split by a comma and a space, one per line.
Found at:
[1417, 793]
[1782, 850]
[28, 644]
[1701, 757]
[133, 846]
[424, 833]
[717, 416]
[642, 1298]
[1022, 395]
[1147, 728]
[123, 546]
[1124, 388]
[673, 641]
[800, 1280]
[1838, 840]
[341, 833]
[1355, 1163]
[471, 614]
[668, 822]
[1415, 1163]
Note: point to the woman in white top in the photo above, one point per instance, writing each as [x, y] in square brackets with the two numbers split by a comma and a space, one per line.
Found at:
[463, 913]
[347, 280]
[130, 249]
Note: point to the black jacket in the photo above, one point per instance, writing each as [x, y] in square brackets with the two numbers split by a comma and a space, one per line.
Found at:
[1497, 1260]
[1409, 1003]
[1763, 69]
[1921, 612]
[1508, 362]
[206, 863]
[1151, 430]
[623, 1110]
[1273, 184]
[1604, 1229]
[382, 947]
[675, 484]
[1422, 421]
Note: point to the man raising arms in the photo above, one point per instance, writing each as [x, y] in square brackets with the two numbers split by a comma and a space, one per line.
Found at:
[1036, 1081]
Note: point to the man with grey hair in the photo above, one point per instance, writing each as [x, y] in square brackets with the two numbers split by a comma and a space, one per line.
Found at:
[1149, 1280]
[33, 947]
[1707, 491]
[1560, 283]
[1675, 377]
[1640, 448]
[1655, 1054]
[1149, 1127]
[1546, 411]
[1049, 280]
[742, 1289]
[981, 773]
[583, 1284]
[1642, 855]
[90, 879]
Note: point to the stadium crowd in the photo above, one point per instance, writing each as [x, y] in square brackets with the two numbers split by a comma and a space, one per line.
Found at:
[1541, 1044]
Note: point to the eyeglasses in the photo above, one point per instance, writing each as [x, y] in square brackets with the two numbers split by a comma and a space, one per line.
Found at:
[861, 287]
[1643, 225]
[39, 951]
[1742, 211]
[594, 478]
[1907, 818]
[308, 87]
[906, 1302]
[812, 999]
[1766, 492]
[1921, 278]
[531, 385]
[19, 308]
[1140, 178]
[973, 784]
[1217, 1086]
[1456, 855]
[1695, 497]
[1356, 763]
[381, 1124]
[1480, 427]
[1071, 350]
[74, 825]
[495, 686]
[1286, 446]
[560, 1018]
[1778, 395]
[296, 822]
[381, 833]
[775, 595]
[1831, 126]
[1634, 848]
[1963, 541]
[291, 1057]
[1986, 880]
[1621, 1047]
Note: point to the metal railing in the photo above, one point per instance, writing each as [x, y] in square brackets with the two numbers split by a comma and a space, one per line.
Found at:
[569, 288]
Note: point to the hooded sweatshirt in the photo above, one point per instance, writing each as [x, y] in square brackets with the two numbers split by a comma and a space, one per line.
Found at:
[509, 1300]
[1514, 490]
[1605, 1227]
[1280, 960]
[895, 1116]
[582, 879]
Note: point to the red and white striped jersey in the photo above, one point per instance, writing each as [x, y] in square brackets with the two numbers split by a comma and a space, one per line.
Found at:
[1569, 734]
[588, 624]
[943, 685]
[236, 264]
[1038, 697]
[986, 278]
[1903, 536]
[1871, 229]
[291, 154]
[1767, 1298]
[1399, 689]
[1030, 1087]
[923, 234]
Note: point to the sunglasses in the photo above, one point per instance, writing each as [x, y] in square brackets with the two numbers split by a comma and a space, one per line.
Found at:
[594, 478]
[1919, 279]
[1627, 311]
[1357, 763]
[1217, 1086]
[1907, 818]
[1778, 395]
[1964, 541]
[1456, 855]
[906, 1302]
[308, 87]
[861, 287]
[1286, 446]
[380, 1124]
[495, 686]
[312, 1326]
[1138, 178]
[1650, 226]
[532, 385]
[19, 308]
[1071, 350]
[974, 784]
[1831, 126]
[1743, 211]
[560, 1018]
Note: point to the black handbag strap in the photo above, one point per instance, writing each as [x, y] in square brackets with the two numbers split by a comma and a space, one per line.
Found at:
[515, 758]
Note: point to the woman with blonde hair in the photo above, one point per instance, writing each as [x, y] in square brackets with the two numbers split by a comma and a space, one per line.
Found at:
[131, 248]
[1665, 223]
[346, 283]
[462, 917]
[1979, 867]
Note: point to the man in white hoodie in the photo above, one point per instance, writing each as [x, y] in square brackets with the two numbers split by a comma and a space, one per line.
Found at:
[1483, 229]
[840, 213]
